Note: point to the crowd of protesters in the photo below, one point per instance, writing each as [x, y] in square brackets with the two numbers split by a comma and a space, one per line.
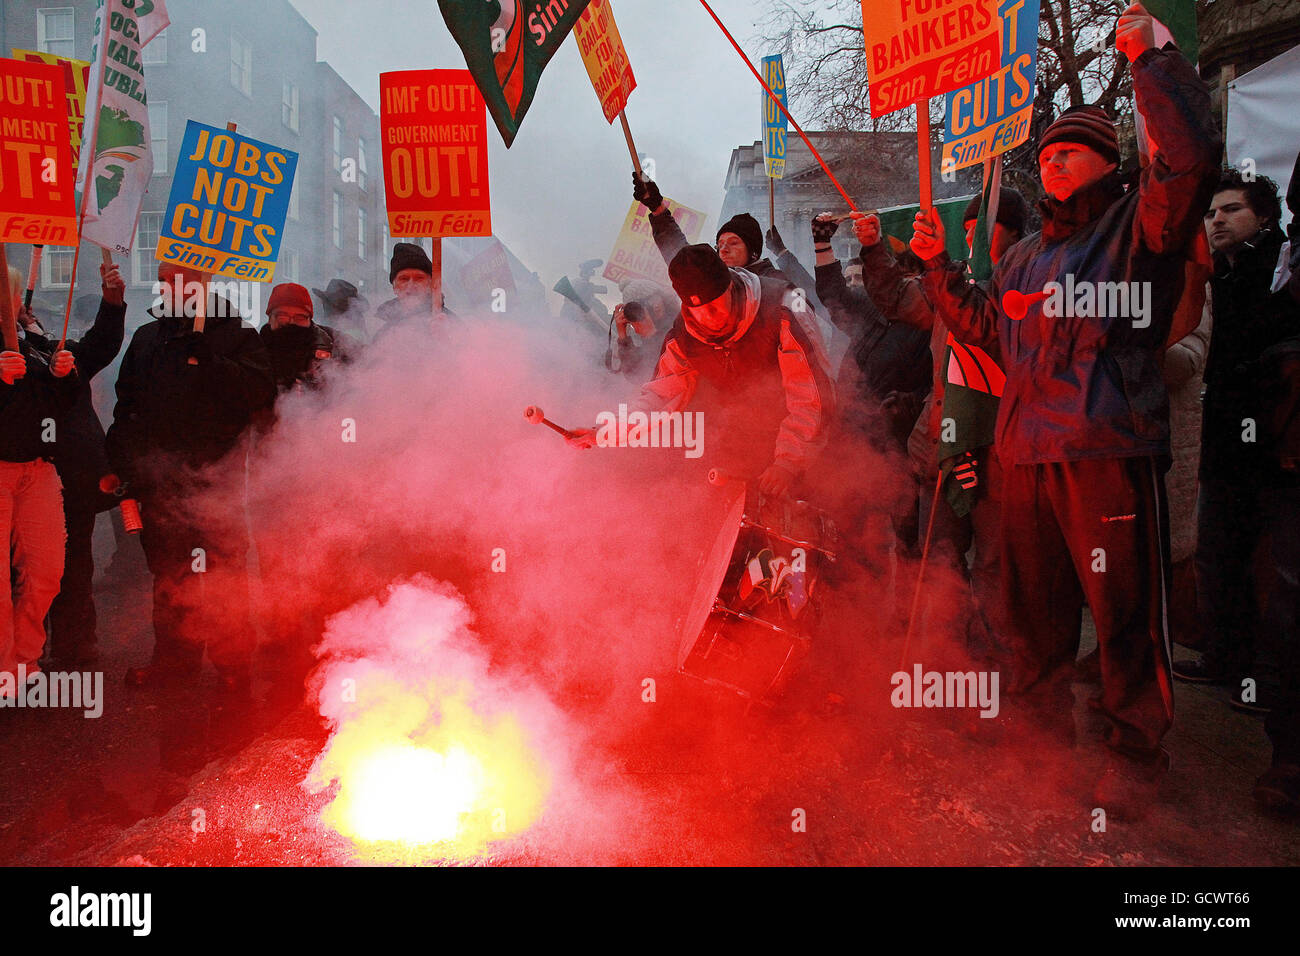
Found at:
[1065, 479]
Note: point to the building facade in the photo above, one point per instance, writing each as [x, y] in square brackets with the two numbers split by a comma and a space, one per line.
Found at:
[216, 66]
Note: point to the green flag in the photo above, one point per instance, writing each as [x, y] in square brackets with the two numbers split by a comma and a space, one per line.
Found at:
[1179, 16]
[896, 224]
[507, 44]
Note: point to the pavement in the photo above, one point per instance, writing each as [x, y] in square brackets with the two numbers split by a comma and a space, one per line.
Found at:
[832, 776]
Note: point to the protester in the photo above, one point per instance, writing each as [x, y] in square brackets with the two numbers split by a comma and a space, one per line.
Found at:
[882, 382]
[414, 284]
[35, 397]
[1244, 489]
[81, 461]
[185, 399]
[973, 520]
[1083, 426]
[647, 310]
[298, 347]
[741, 355]
[739, 239]
[344, 305]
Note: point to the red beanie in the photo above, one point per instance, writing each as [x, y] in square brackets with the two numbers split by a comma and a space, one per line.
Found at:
[291, 294]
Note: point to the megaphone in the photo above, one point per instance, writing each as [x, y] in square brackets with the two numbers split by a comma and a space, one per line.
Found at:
[565, 288]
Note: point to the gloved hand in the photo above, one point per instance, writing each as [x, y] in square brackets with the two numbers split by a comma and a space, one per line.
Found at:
[646, 192]
[62, 364]
[582, 438]
[12, 367]
[776, 480]
[195, 345]
[823, 228]
[774, 242]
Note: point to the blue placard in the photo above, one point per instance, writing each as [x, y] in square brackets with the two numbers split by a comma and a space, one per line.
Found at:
[229, 199]
[992, 116]
[775, 125]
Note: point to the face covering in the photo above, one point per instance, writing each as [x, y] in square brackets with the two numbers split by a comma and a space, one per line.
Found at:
[291, 351]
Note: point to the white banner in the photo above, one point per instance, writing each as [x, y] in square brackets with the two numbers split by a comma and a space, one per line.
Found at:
[1263, 122]
[112, 184]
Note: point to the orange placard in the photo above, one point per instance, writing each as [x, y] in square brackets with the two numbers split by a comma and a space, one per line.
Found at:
[605, 57]
[917, 49]
[76, 75]
[37, 186]
[434, 129]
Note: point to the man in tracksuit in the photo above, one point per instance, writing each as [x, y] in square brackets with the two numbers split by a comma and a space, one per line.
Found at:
[1083, 427]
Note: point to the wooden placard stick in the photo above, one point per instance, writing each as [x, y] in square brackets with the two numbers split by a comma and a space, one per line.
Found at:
[8, 321]
[631, 146]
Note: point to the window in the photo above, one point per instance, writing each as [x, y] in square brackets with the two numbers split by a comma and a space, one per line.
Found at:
[156, 52]
[146, 245]
[338, 143]
[241, 64]
[361, 165]
[289, 106]
[293, 199]
[56, 31]
[56, 265]
[287, 269]
[338, 219]
[158, 138]
[361, 234]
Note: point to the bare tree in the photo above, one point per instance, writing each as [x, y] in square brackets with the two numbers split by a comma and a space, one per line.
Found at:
[827, 70]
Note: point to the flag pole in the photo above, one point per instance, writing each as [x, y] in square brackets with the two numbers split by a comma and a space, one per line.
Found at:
[33, 271]
[798, 129]
[631, 147]
[8, 321]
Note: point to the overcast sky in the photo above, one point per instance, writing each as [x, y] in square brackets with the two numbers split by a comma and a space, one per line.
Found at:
[560, 193]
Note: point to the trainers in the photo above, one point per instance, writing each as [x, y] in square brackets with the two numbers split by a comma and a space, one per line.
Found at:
[1128, 788]
[1279, 787]
[1197, 671]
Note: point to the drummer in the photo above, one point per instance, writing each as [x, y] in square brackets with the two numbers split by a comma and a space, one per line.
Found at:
[746, 352]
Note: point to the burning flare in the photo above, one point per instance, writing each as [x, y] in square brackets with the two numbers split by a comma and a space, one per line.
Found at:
[426, 747]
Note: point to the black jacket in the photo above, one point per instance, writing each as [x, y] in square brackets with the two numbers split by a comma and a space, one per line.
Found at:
[170, 412]
[1083, 387]
[79, 453]
[303, 362]
[30, 403]
[882, 357]
[1240, 386]
[671, 240]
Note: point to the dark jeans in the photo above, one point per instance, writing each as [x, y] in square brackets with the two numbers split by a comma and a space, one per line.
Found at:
[72, 615]
[1280, 617]
[1098, 530]
[200, 601]
[1228, 524]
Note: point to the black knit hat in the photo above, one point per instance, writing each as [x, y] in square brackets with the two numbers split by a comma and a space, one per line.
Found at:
[750, 232]
[407, 255]
[1012, 211]
[1087, 125]
[698, 275]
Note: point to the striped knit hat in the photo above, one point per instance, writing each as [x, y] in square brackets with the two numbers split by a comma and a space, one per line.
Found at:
[1087, 125]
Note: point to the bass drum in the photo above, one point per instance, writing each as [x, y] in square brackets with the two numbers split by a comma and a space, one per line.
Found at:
[757, 596]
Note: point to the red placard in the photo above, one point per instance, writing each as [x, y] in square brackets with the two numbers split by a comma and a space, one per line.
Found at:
[434, 129]
[917, 49]
[37, 197]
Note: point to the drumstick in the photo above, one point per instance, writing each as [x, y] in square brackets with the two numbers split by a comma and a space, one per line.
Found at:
[535, 416]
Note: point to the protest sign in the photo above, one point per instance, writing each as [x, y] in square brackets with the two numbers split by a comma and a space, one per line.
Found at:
[604, 56]
[506, 47]
[635, 254]
[993, 115]
[37, 204]
[434, 131]
[76, 77]
[487, 272]
[775, 125]
[229, 198]
[917, 49]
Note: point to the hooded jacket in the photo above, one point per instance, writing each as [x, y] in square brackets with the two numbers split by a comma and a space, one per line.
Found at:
[189, 414]
[1090, 386]
[29, 403]
[762, 383]
[79, 452]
